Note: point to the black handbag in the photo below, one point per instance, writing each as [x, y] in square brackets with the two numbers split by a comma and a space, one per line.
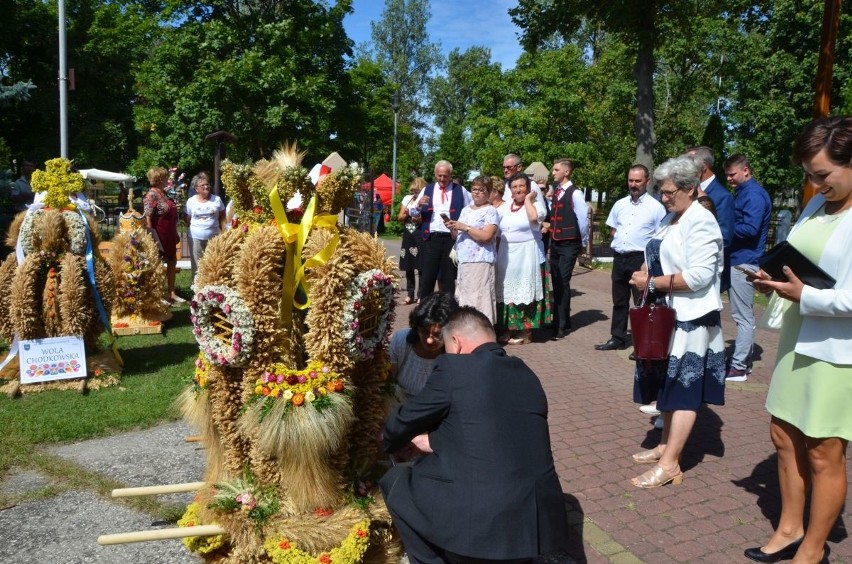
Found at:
[652, 326]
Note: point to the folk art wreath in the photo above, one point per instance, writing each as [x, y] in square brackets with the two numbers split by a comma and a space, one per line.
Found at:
[222, 325]
[366, 313]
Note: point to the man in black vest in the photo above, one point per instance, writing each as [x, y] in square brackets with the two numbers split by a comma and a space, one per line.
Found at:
[442, 198]
[569, 233]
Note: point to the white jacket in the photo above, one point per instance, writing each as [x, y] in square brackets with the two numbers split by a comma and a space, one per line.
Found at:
[826, 332]
[694, 250]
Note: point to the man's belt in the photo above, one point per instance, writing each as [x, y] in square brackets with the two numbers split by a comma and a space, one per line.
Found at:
[628, 254]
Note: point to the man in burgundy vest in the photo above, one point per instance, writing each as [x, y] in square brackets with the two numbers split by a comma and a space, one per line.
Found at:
[569, 229]
[441, 197]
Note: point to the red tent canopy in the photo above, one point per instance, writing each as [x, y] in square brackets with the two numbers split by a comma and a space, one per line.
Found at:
[383, 187]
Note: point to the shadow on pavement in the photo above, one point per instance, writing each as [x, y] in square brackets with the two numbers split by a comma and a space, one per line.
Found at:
[763, 483]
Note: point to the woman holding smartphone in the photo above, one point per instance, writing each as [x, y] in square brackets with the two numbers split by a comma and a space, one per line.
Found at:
[811, 389]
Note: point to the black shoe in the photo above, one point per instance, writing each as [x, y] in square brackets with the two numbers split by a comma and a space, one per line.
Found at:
[560, 333]
[786, 553]
[611, 345]
[632, 356]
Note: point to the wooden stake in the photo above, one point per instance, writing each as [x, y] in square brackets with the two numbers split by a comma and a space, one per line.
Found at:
[193, 438]
[156, 490]
[161, 534]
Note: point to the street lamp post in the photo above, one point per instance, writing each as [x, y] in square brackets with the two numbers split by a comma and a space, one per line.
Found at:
[395, 106]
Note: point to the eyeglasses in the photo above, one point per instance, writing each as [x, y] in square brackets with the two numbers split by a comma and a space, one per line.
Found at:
[669, 193]
[434, 333]
[510, 167]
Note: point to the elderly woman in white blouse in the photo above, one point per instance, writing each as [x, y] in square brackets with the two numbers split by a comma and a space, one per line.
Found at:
[523, 296]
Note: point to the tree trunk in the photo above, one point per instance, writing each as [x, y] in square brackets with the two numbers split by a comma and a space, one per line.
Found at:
[643, 71]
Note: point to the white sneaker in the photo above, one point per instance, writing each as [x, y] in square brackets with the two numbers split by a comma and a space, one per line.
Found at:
[649, 409]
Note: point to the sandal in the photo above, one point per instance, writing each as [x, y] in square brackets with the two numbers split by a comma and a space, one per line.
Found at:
[647, 456]
[407, 300]
[657, 477]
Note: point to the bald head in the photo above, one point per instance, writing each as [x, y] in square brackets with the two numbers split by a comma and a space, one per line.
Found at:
[466, 329]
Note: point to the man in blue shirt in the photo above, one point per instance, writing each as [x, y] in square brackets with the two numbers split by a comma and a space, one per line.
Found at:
[752, 212]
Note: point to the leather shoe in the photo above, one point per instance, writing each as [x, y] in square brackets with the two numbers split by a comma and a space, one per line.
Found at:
[786, 553]
[632, 356]
[560, 333]
[611, 345]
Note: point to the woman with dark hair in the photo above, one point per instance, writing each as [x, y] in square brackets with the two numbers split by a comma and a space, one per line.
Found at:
[810, 393]
[161, 217]
[414, 350]
[683, 259]
[523, 302]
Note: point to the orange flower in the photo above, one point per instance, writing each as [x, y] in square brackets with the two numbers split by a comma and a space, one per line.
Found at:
[325, 559]
[361, 533]
[298, 399]
[265, 391]
[323, 512]
[98, 372]
[284, 545]
[338, 386]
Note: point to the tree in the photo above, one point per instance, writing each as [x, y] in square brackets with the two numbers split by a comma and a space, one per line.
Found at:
[471, 93]
[267, 72]
[402, 49]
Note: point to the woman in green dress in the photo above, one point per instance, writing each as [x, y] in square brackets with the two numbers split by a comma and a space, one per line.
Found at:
[810, 396]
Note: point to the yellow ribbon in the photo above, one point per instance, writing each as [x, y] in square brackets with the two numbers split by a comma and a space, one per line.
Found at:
[295, 235]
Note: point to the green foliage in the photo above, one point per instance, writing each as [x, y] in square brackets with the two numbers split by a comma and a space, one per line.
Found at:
[266, 74]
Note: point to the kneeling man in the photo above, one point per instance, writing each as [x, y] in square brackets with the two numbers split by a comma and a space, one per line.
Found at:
[487, 488]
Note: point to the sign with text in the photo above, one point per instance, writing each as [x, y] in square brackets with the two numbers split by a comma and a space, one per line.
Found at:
[54, 358]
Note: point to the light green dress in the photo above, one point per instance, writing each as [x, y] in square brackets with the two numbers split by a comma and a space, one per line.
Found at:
[810, 394]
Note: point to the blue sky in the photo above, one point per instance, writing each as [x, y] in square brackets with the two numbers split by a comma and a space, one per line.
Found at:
[454, 23]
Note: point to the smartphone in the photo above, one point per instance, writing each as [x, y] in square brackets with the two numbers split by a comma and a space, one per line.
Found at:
[746, 271]
[445, 217]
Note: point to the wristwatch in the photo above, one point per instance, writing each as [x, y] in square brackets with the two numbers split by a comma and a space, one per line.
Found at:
[652, 284]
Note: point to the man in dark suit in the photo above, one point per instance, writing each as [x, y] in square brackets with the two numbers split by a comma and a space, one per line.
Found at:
[487, 488]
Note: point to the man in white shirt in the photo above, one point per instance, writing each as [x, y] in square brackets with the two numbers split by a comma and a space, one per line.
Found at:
[633, 220]
[439, 200]
[569, 234]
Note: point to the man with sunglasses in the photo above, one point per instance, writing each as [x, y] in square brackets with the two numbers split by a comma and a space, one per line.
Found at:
[512, 164]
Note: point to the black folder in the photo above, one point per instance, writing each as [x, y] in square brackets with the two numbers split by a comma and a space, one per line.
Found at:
[784, 254]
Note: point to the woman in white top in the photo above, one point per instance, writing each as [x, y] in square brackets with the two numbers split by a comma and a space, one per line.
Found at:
[206, 216]
[409, 252]
[684, 259]
[523, 301]
[475, 233]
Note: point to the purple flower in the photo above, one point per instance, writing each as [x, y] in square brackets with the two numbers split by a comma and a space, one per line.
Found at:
[302, 378]
[194, 319]
[292, 380]
[193, 304]
[211, 294]
[227, 309]
[280, 378]
[313, 374]
[326, 369]
[197, 331]
[220, 298]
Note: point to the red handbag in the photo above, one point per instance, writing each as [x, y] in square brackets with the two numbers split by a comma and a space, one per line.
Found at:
[652, 326]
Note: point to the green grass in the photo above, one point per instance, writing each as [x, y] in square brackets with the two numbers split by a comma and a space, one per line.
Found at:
[155, 371]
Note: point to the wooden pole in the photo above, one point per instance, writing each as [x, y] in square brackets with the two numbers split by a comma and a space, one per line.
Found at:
[161, 534]
[825, 70]
[156, 490]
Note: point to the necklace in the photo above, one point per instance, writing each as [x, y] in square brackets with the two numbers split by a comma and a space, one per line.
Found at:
[513, 208]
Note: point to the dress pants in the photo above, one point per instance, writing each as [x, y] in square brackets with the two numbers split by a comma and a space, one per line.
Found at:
[563, 257]
[435, 260]
[741, 294]
[623, 267]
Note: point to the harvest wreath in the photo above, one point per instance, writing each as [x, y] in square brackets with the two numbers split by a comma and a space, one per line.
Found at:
[222, 325]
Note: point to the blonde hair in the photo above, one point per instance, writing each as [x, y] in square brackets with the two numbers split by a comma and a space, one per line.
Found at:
[157, 175]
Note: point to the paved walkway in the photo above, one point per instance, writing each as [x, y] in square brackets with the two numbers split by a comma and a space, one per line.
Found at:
[729, 499]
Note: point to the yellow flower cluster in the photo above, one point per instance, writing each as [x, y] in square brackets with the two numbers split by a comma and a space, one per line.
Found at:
[298, 386]
[250, 197]
[351, 551]
[59, 181]
[202, 367]
[201, 545]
